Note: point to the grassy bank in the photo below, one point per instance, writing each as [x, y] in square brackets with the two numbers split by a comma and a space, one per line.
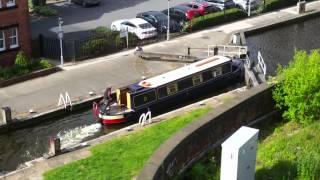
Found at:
[123, 157]
[285, 151]
[290, 152]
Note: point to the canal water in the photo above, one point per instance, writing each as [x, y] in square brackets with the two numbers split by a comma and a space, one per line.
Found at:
[277, 46]
[31, 143]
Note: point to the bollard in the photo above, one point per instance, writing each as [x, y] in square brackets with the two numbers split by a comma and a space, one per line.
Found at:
[215, 51]
[188, 50]
[6, 115]
[301, 7]
[54, 146]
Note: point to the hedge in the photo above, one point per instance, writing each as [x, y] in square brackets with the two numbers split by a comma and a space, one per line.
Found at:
[215, 19]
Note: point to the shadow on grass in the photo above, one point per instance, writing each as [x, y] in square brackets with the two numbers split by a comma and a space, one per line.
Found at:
[268, 127]
[283, 170]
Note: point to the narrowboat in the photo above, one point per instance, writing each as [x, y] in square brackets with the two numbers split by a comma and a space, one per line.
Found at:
[159, 91]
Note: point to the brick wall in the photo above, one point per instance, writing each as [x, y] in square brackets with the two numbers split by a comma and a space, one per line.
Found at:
[16, 16]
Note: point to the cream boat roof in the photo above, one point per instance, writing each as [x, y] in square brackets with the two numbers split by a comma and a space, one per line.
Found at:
[184, 71]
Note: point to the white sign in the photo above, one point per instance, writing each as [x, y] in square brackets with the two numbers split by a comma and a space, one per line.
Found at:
[123, 31]
[60, 34]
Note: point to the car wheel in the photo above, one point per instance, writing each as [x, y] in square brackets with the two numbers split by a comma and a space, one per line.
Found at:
[114, 28]
[84, 4]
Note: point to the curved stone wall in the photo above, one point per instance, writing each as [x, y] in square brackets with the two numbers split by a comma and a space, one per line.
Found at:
[192, 142]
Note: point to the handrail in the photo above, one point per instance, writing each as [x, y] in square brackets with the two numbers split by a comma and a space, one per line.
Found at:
[228, 50]
[261, 64]
[65, 100]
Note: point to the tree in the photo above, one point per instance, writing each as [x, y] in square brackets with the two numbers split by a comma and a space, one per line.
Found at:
[298, 90]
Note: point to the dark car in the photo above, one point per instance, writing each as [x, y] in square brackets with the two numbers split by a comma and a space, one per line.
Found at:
[86, 3]
[182, 14]
[159, 20]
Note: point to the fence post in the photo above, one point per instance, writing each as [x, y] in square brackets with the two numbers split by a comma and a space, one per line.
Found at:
[41, 45]
[74, 51]
[6, 115]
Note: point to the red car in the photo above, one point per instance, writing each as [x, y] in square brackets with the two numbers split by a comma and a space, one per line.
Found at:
[202, 8]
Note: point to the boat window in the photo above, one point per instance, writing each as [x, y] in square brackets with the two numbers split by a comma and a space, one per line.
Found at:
[197, 79]
[162, 92]
[216, 72]
[206, 76]
[172, 88]
[144, 98]
[226, 68]
[185, 83]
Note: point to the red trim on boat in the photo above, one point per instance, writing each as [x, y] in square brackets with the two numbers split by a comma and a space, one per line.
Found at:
[112, 121]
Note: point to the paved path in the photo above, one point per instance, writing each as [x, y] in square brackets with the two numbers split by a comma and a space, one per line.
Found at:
[116, 70]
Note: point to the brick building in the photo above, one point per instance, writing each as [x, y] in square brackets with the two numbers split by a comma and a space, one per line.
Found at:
[14, 30]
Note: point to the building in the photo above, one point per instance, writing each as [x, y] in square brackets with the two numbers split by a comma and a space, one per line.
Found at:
[14, 30]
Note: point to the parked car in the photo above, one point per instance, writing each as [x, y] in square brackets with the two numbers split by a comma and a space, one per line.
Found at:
[86, 3]
[141, 28]
[202, 8]
[244, 4]
[221, 4]
[159, 20]
[182, 14]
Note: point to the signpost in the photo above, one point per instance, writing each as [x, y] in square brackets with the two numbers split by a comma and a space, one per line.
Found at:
[168, 25]
[60, 37]
[124, 33]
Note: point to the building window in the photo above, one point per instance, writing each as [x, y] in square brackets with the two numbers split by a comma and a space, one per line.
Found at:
[11, 3]
[197, 79]
[13, 37]
[2, 41]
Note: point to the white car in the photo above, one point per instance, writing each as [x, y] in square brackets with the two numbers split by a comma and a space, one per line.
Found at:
[141, 28]
[244, 4]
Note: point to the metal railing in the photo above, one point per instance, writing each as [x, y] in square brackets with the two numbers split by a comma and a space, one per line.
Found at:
[65, 101]
[227, 50]
[261, 64]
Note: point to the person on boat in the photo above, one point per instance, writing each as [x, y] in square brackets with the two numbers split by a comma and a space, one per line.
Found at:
[106, 101]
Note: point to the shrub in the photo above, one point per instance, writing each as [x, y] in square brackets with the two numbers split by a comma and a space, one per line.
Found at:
[214, 19]
[22, 60]
[44, 11]
[95, 46]
[298, 90]
[44, 64]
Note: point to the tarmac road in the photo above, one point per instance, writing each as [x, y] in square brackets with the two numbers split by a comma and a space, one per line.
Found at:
[77, 19]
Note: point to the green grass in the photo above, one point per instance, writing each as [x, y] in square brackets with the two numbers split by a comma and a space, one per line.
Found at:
[124, 157]
[290, 152]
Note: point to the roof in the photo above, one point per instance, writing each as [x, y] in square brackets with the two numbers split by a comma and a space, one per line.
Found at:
[184, 71]
[137, 21]
[240, 137]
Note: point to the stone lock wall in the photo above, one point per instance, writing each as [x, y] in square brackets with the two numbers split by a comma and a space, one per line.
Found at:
[189, 144]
